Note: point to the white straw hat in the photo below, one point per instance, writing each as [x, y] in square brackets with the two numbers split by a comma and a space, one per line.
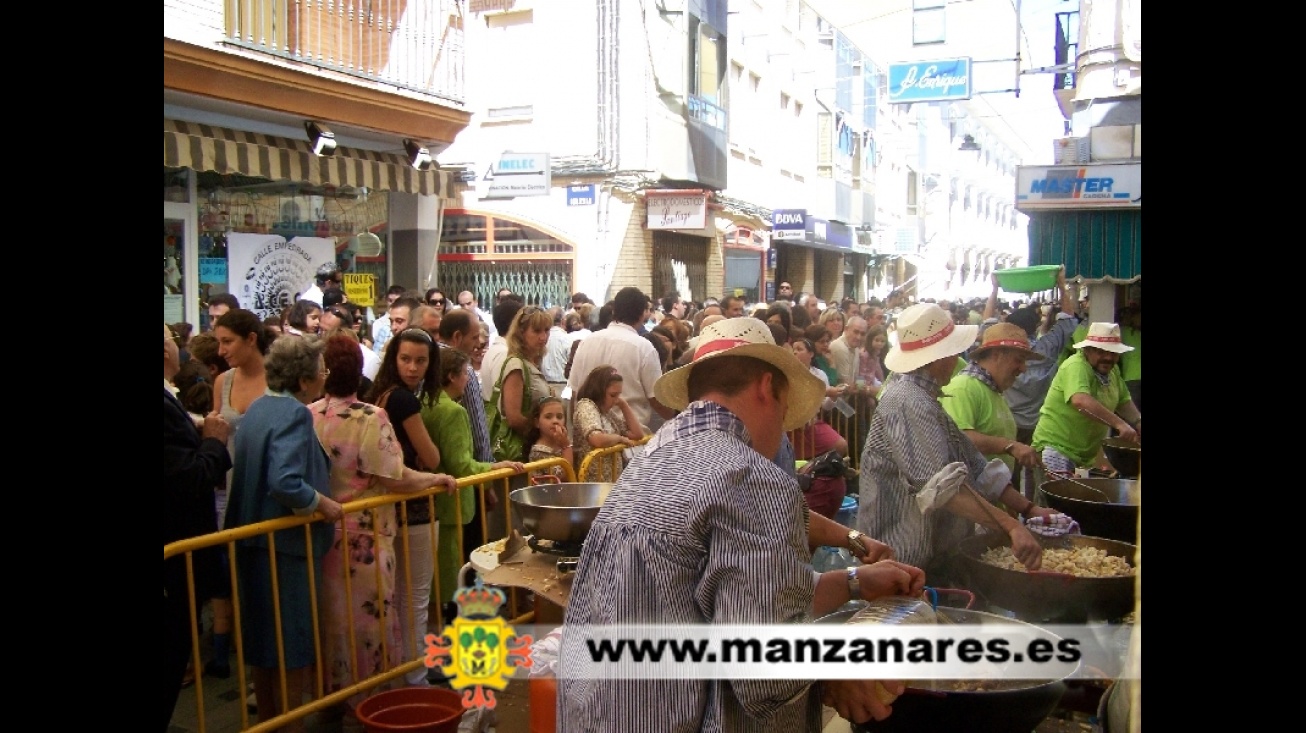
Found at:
[746, 337]
[1104, 336]
[926, 333]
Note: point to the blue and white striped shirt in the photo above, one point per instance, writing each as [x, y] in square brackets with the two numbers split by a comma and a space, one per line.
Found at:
[699, 529]
[910, 438]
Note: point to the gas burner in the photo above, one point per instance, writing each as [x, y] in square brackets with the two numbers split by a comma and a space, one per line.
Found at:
[570, 550]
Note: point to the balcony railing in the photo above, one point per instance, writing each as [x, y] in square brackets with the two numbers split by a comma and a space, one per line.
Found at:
[416, 45]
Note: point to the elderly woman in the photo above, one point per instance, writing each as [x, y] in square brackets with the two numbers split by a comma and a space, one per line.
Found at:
[449, 426]
[833, 320]
[520, 382]
[366, 461]
[281, 470]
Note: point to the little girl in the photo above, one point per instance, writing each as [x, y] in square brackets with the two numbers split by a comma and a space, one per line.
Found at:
[549, 437]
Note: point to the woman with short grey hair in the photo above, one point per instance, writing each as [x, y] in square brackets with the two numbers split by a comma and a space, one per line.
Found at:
[280, 470]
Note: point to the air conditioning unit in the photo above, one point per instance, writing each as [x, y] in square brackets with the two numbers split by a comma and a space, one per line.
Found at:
[1071, 151]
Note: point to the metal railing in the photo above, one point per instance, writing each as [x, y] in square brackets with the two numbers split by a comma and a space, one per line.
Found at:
[292, 706]
[604, 465]
[415, 45]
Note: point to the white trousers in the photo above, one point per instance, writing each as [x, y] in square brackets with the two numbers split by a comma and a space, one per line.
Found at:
[420, 542]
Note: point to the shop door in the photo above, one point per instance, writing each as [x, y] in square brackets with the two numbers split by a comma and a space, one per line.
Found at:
[180, 261]
[680, 264]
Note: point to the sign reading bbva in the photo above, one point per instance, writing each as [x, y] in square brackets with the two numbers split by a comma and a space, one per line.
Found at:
[930, 81]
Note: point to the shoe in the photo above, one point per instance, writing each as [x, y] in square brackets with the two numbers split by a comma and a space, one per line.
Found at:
[214, 669]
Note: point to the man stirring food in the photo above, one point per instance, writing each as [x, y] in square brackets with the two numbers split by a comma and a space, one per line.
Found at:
[703, 528]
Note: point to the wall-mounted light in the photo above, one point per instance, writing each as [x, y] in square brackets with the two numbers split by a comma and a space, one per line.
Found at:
[968, 144]
[418, 156]
[322, 139]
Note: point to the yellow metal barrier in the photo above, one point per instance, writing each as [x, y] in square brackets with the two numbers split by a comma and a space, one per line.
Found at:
[292, 707]
[604, 465]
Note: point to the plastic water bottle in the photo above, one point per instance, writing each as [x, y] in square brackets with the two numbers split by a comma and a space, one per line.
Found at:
[832, 558]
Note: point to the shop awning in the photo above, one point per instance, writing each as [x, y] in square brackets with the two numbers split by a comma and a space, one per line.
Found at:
[1095, 246]
[223, 150]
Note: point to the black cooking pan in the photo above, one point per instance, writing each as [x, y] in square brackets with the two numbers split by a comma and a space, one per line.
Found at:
[1123, 455]
[1044, 596]
[1103, 507]
[1017, 708]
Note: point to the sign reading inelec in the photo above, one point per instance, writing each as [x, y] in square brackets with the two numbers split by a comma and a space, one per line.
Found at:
[519, 174]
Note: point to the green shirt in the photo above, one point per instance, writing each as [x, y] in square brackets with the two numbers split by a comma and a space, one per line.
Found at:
[1062, 426]
[973, 405]
[1131, 362]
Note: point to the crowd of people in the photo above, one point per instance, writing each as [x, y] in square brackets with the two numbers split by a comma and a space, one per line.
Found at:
[715, 406]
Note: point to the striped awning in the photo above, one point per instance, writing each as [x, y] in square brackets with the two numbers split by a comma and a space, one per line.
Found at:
[223, 150]
[1095, 246]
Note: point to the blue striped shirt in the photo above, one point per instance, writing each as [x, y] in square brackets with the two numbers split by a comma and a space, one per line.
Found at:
[910, 438]
[699, 529]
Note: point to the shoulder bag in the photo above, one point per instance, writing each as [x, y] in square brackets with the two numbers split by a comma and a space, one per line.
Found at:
[505, 443]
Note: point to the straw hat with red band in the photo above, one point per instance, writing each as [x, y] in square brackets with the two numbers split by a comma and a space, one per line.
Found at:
[1005, 336]
[746, 337]
[1104, 336]
[926, 333]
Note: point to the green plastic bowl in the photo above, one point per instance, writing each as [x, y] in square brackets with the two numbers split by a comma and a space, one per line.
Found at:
[1028, 279]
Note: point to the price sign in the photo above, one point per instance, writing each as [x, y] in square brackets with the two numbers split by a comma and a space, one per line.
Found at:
[360, 288]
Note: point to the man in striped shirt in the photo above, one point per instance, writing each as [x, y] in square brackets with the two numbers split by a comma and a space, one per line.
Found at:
[916, 459]
[702, 528]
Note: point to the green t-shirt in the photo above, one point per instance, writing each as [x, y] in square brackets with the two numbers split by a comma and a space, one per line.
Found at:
[1062, 426]
[1131, 362]
[973, 405]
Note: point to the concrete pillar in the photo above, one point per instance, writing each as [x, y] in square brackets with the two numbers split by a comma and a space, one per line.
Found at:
[414, 240]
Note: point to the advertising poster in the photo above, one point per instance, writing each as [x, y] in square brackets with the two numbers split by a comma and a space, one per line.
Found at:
[361, 288]
[267, 273]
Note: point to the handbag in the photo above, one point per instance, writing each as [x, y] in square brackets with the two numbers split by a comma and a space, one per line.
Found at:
[827, 465]
[505, 443]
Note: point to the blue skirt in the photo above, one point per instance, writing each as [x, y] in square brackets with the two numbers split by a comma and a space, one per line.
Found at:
[257, 622]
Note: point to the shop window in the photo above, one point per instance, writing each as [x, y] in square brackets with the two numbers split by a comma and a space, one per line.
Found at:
[680, 264]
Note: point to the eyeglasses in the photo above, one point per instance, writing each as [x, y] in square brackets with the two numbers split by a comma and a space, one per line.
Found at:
[436, 301]
[337, 313]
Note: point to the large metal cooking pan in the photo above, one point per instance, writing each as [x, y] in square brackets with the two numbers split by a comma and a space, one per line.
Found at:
[1010, 710]
[559, 512]
[1047, 596]
[1123, 455]
[1115, 519]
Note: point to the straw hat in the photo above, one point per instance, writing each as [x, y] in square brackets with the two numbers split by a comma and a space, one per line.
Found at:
[1007, 336]
[926, 333]
[746, 337]
[1104, 336]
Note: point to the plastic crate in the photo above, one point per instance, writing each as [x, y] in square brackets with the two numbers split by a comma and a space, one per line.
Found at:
[1027, 279]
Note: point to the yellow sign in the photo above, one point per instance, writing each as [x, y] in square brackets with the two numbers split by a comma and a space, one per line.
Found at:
[361, 289]
[479, 649]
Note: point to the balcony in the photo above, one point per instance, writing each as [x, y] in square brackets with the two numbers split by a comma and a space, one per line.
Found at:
[413, 45]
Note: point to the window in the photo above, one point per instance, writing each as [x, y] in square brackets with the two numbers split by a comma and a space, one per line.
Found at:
[513, 80]
[927, 21]
[707, 61]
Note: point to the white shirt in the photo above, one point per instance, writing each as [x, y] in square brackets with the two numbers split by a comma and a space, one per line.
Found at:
[491, 363]
[632, 356]
[371, 362]
[555, 355]
[314, 293]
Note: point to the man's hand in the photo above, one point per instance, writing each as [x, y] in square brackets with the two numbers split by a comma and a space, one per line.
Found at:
[890, 578]
[875, 551]
[1127, 433]
[1040, 511]
[1026, 549]
[1025, 455]
[215, 426]
[858, 701]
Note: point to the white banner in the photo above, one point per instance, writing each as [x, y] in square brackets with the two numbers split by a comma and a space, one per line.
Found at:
[267, 273]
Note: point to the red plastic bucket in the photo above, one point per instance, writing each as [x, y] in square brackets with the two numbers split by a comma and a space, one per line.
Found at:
[411, 710]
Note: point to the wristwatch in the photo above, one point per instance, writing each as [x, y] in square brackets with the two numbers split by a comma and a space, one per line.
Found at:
[855, 543]
[854, 588]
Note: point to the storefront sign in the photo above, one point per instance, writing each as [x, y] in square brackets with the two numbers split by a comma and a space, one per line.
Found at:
[1117, 186]
[789, 224]
[213, 269]
[929, 81]
[172, 308]
[673, 210]
[581, 195]
[360, 288]
[830, 233]
[267, 273]
[519, 174]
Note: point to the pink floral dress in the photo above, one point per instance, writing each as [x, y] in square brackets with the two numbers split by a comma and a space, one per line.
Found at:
[362, 445]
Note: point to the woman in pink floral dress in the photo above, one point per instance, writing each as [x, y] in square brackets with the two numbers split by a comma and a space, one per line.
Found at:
[366, 461]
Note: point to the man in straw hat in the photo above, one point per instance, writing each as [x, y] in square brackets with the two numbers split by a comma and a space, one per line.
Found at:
[1087, 395]
[924, 484]
[704, 528]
